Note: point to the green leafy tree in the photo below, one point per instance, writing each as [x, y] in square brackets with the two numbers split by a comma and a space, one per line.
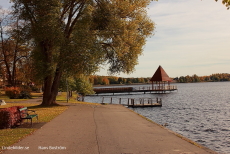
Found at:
[79, 83]
[66, 84]
[146, 80]
[120, 80]
[83, 86]
[99, 80]
[91, 79]
[78, 36]
[113, 79]
[195, 78]
[141, 80]
[124, 80]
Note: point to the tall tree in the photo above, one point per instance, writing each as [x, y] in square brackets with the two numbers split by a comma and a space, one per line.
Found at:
[14, 50]
[78, 36]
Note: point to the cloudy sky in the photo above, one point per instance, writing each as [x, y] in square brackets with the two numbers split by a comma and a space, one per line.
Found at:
[191, 37]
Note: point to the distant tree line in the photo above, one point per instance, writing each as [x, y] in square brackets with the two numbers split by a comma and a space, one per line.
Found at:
[84, 85]
[211, 78]
[107, 80]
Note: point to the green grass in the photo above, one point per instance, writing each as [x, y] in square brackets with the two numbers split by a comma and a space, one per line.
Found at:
[36, 95]
[62, 99]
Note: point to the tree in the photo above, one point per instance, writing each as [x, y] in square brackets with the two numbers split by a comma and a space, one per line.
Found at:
[129, 80]
[82, 85]
[99, 80]
[14, 50]
[91, 79]
[120, 80]
[124, 80]
[113, 80]
[105, 81]
[78, 36]
[195, 78]
[226, 3]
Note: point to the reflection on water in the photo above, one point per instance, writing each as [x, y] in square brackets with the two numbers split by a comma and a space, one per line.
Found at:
[199, 111]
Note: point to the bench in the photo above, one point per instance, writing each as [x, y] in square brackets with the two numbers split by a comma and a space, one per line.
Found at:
[27, 114]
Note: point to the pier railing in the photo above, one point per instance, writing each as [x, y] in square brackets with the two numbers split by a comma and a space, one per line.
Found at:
[131, 101]
[144, 89]
[155, 88]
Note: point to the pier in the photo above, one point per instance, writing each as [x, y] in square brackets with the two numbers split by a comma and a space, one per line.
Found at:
[133, 102]
[154, 89]
[160, 84]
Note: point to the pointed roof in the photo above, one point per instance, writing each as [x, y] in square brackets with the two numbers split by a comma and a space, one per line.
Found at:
[160, 75]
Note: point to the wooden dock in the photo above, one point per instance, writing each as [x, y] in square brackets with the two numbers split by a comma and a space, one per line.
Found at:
[155, 89]
[145, 105]
[133, 102]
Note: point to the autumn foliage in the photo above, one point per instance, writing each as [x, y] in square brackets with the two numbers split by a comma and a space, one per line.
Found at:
[17, 92]
[12, 92]
[10, 117]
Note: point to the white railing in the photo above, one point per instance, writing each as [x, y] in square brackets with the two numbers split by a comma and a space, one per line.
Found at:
[159, 88]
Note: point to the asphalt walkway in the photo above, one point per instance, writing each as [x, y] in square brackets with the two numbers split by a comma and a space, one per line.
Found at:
[103, 129]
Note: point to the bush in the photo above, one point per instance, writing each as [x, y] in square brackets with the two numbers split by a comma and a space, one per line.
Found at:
[10, 117]
[25, 92]
[12, 92]
[24, 95]
[16, 92]
[35, 89]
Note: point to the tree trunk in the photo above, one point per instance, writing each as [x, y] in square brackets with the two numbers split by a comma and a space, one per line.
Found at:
[51, 89]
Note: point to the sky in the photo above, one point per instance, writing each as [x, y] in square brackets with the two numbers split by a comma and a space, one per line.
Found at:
[191, 37]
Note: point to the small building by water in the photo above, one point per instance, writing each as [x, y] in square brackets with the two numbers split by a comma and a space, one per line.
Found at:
[160, 80]
[160, 84]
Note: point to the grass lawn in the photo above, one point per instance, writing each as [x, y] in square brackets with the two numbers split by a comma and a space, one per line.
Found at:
[7, 99]
[61, 98]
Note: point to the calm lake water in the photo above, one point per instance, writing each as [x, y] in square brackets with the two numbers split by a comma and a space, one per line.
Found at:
[198, 111]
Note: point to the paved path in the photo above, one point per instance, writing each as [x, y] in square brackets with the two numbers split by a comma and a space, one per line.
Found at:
[103, 129]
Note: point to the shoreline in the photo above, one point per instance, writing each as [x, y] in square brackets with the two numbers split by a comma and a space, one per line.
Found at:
[175, 133]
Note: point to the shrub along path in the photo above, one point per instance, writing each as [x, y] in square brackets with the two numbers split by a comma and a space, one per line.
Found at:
[103, 129]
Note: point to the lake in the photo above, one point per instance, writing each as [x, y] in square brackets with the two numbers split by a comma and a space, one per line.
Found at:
[198, 111]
